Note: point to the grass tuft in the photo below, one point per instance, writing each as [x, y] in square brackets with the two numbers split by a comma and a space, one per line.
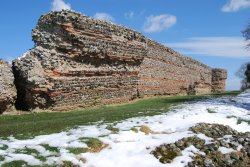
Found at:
[84, 160]
[94, 145]
[112, 129]
[134, 129]
[146, 130]
[4, 147]
[50, 148]
[15, 164]
[68, 164]
[209, 110]
[1, 158]
[77, 150]
[32, 152]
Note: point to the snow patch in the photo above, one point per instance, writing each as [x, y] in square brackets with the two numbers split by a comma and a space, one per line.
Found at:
[225, 150]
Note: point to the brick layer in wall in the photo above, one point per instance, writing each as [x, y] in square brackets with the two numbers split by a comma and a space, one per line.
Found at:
[165, 72]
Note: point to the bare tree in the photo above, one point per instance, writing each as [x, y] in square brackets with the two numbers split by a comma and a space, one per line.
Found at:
[244, 74]
[244, 70]
[247, 74]
[246, 35]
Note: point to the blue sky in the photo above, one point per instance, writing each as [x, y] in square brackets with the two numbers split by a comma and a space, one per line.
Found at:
[207, 30]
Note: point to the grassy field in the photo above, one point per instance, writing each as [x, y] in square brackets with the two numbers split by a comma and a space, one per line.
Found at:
[29, 125]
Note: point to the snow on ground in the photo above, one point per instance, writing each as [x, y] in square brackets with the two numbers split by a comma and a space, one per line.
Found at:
[129, 148]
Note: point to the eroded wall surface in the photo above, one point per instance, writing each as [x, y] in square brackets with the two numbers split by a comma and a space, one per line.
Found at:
[219, 77]
[166, 72]
[78, 62]
[7, 87]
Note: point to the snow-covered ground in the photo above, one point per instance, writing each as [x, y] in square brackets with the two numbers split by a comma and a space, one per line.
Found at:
[129, 148]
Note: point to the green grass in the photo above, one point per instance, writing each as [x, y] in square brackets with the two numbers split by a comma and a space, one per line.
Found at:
[1, 158]
[50, 148]
[33, 152]
[16, 164]
[67, 164]
[95, 145]
[134, 129]
[227, 93]
[29, 125]
[4, 147]
[77, 150]
[112, 129]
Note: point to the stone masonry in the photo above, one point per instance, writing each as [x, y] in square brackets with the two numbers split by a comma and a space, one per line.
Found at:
[7, 87]
[219, 77]
[166, 72]
[80, 62]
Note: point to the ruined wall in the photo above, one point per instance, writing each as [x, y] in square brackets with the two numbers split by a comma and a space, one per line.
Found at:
[7, 88]
[219, 77]
[78, 61]
[165, 72]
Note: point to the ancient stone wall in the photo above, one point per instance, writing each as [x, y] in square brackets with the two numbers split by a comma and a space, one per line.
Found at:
[165, 72]
[78, 62]
[219, 77]
[7, 88]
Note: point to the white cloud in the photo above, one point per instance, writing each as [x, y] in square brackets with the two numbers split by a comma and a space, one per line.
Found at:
[104, 17]
[58, 5]
[213, 46]
[235, 5]
[159, 23]
[129, 15]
